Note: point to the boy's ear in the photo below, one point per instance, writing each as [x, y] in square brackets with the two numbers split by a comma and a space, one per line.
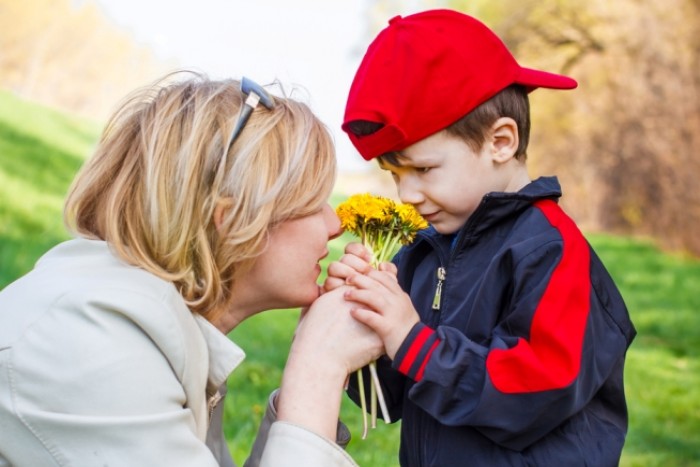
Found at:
[504, 139]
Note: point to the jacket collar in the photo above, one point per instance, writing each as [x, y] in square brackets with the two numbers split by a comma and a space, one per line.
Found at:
[224, 354]
[497, 206]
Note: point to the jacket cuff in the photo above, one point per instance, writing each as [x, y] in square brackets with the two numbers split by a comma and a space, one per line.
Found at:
[289, 444]
[342, 435]
[415, 351]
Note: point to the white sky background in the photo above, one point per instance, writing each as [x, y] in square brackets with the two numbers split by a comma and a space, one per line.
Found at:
[313, 45]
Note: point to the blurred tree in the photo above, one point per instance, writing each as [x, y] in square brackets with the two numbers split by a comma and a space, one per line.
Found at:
[625, 143]
[69, 55]
[626, 140]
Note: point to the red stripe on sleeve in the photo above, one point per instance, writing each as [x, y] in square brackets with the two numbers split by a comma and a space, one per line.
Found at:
[414, 349]
[552, 356]
[421, 370]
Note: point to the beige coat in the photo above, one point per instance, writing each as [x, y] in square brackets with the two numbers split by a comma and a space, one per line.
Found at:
[103, 364]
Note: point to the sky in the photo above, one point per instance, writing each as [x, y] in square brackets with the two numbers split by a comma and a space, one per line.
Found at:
[311, 46]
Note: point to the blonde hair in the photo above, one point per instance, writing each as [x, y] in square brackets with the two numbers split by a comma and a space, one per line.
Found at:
[151, 188]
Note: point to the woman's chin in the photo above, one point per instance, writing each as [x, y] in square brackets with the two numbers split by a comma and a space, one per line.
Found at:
[309, 297]
[314, 293]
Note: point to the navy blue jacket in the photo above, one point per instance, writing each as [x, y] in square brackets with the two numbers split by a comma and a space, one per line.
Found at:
[518, 359]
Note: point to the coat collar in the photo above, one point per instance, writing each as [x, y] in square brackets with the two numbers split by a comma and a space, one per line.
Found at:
[495, 207]
[224, 354]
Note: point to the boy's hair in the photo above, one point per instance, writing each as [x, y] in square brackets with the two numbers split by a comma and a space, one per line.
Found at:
[512, 102]
[162, 165]
[424, 72]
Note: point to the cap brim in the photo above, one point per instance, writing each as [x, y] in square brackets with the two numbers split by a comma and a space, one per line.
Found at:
[533, 79]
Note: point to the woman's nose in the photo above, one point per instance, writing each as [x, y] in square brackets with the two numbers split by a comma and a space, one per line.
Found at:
[332, 222]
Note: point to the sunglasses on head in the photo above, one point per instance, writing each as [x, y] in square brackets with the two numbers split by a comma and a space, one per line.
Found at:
[255, 95]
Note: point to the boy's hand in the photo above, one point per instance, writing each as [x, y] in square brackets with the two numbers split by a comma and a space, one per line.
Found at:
[355, 260]
[391, 314]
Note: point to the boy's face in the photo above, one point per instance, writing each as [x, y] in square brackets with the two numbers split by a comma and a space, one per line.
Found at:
[445, 179]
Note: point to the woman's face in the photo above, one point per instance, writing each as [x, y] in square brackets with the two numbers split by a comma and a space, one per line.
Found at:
[286, 274]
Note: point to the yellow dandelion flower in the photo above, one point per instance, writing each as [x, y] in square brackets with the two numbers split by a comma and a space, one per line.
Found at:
[382, 226]
[370, 208]
[348, 217]
[410, 218]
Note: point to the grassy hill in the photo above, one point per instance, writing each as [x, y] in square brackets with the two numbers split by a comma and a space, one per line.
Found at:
[40, 151]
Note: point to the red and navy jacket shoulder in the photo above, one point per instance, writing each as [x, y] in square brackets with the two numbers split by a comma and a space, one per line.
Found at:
[519, 356]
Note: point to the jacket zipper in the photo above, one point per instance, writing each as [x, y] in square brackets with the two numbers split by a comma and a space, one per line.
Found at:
[441, 275]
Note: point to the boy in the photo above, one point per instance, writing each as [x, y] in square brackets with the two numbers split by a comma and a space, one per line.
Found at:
[511, 347]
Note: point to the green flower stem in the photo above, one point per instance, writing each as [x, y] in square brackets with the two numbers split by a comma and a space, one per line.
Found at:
[376, 393]
[363, 402]
[372, 402]
[388, 249]
[380, 393]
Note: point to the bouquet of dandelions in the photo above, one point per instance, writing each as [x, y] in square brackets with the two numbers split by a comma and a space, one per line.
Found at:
[383, 226]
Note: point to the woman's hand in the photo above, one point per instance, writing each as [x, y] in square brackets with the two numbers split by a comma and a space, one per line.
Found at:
[328, 335]
[329, 344]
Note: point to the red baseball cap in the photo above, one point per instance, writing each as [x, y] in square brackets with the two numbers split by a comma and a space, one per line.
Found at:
[425, 71]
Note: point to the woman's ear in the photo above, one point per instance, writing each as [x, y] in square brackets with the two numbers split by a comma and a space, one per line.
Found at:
[222, 206]
[504, 139]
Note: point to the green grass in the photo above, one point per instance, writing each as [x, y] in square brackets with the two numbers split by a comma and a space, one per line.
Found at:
[662, 373]
[40, 151]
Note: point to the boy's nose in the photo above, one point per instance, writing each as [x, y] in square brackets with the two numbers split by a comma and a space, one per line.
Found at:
[409, 192]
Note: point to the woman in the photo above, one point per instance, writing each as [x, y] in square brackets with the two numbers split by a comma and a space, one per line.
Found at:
[204, 204]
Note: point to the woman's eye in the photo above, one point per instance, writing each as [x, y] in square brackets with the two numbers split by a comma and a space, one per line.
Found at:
[423, 170]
